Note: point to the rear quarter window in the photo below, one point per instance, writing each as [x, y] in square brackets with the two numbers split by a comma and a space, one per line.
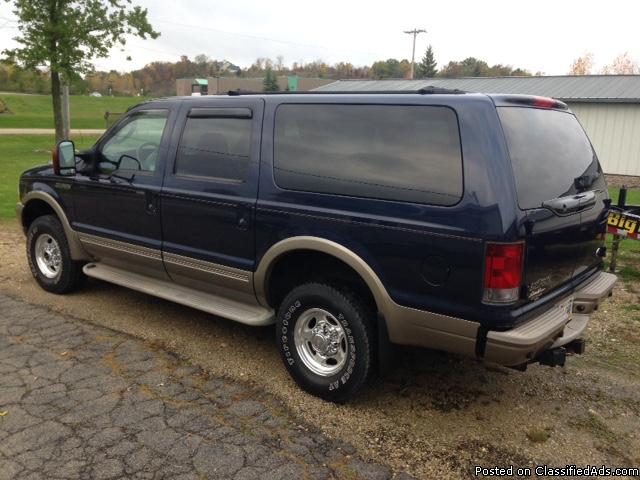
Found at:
[390, 152]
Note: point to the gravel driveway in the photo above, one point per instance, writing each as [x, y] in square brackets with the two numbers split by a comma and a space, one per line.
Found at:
[79, 401]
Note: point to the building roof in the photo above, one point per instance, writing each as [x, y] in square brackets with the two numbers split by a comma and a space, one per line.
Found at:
[570, 88]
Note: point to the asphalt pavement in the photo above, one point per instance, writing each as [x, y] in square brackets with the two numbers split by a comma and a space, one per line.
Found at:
[82, 401]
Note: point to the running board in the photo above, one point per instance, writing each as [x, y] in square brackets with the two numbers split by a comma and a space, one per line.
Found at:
[254, 315]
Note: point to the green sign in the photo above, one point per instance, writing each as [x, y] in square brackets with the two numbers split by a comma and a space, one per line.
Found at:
[292, 83]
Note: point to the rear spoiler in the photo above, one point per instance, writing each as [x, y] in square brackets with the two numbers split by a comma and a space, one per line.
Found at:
[528, 101]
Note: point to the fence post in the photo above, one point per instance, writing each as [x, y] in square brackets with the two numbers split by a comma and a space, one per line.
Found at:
[615, 246]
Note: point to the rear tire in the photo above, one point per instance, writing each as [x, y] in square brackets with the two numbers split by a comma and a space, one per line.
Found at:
[49, 256]
[326, 340]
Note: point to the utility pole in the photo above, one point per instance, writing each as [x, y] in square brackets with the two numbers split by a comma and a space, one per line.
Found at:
[415, 33]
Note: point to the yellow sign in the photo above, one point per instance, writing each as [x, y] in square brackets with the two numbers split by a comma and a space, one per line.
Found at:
[623, 224]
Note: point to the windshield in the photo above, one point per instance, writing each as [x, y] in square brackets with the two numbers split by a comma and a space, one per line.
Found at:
[550, 153]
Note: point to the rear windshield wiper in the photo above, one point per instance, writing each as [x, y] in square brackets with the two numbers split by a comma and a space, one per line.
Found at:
[571, 204]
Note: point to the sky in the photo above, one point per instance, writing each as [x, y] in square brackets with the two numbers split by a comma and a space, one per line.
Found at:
[541, 36]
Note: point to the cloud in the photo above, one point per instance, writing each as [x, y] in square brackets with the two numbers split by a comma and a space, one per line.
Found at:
[541, 36]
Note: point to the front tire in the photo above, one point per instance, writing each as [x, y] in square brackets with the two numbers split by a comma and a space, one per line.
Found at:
[325, 340]
[49, 256]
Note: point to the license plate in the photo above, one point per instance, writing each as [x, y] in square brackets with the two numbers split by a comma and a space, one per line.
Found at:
[567, 306]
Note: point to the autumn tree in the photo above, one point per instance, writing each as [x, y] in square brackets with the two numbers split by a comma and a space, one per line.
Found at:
[623, 64]
[469, 67]
[65, 36]
[582, 65]
[202, 59]
[427, 66]
[16, 79]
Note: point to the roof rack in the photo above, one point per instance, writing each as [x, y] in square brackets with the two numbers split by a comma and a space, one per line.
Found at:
[430, 90]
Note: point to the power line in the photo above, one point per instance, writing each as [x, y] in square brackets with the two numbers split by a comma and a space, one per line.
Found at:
[256, 37]
[415, 33]
[169, 53]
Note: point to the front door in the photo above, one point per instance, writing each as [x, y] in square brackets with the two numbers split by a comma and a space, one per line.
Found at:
[209, 195]
[116, 207]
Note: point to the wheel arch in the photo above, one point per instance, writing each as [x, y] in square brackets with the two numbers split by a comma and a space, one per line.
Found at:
[280, 250]
[37, 203]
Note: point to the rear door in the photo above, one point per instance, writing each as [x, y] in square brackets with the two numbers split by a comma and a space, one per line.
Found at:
[209, 195]
[560, 185]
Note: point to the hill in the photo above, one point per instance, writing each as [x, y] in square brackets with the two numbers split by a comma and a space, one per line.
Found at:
[35, 111]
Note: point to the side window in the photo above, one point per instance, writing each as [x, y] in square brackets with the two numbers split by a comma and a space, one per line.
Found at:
[391, 152]
[136, 143]
[215, 147]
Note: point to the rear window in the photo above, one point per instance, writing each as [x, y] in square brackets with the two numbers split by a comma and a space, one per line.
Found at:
[548, 151]
[391, 152]
[216, 148]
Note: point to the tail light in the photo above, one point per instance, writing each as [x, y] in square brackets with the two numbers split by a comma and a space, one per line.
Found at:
[537, 102]
[503, 272]
[543, 102]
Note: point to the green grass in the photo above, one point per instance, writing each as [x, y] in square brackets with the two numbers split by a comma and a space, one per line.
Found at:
[596, 425]
[17, 154]
[633, 196]
[628, 263]
[537, 435]
[35, 111]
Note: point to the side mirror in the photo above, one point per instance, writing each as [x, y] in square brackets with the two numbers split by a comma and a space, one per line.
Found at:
[64, 158]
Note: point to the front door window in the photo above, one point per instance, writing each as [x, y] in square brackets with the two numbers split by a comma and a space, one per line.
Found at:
[135, 145]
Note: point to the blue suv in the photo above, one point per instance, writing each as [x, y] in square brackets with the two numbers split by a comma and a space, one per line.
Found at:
[468, 223]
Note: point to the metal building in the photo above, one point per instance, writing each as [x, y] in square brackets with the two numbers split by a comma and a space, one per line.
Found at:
[221, 85]
[608, 106]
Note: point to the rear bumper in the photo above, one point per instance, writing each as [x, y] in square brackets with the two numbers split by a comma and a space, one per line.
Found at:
[554, 328]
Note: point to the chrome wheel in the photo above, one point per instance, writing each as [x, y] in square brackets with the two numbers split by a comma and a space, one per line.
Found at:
[320, 342]
[48, 256]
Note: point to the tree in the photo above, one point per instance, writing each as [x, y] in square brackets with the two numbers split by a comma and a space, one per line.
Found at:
[473, 67]
[65, 36]
[582, 65]
[202, 59]
[622, 65]
[270, 81]
[391, 68]
[469, 67]
[427, 66]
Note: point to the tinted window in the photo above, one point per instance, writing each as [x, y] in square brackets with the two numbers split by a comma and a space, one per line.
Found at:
[135, 144]
[215, 148]
[548, 151]
[407, 153]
